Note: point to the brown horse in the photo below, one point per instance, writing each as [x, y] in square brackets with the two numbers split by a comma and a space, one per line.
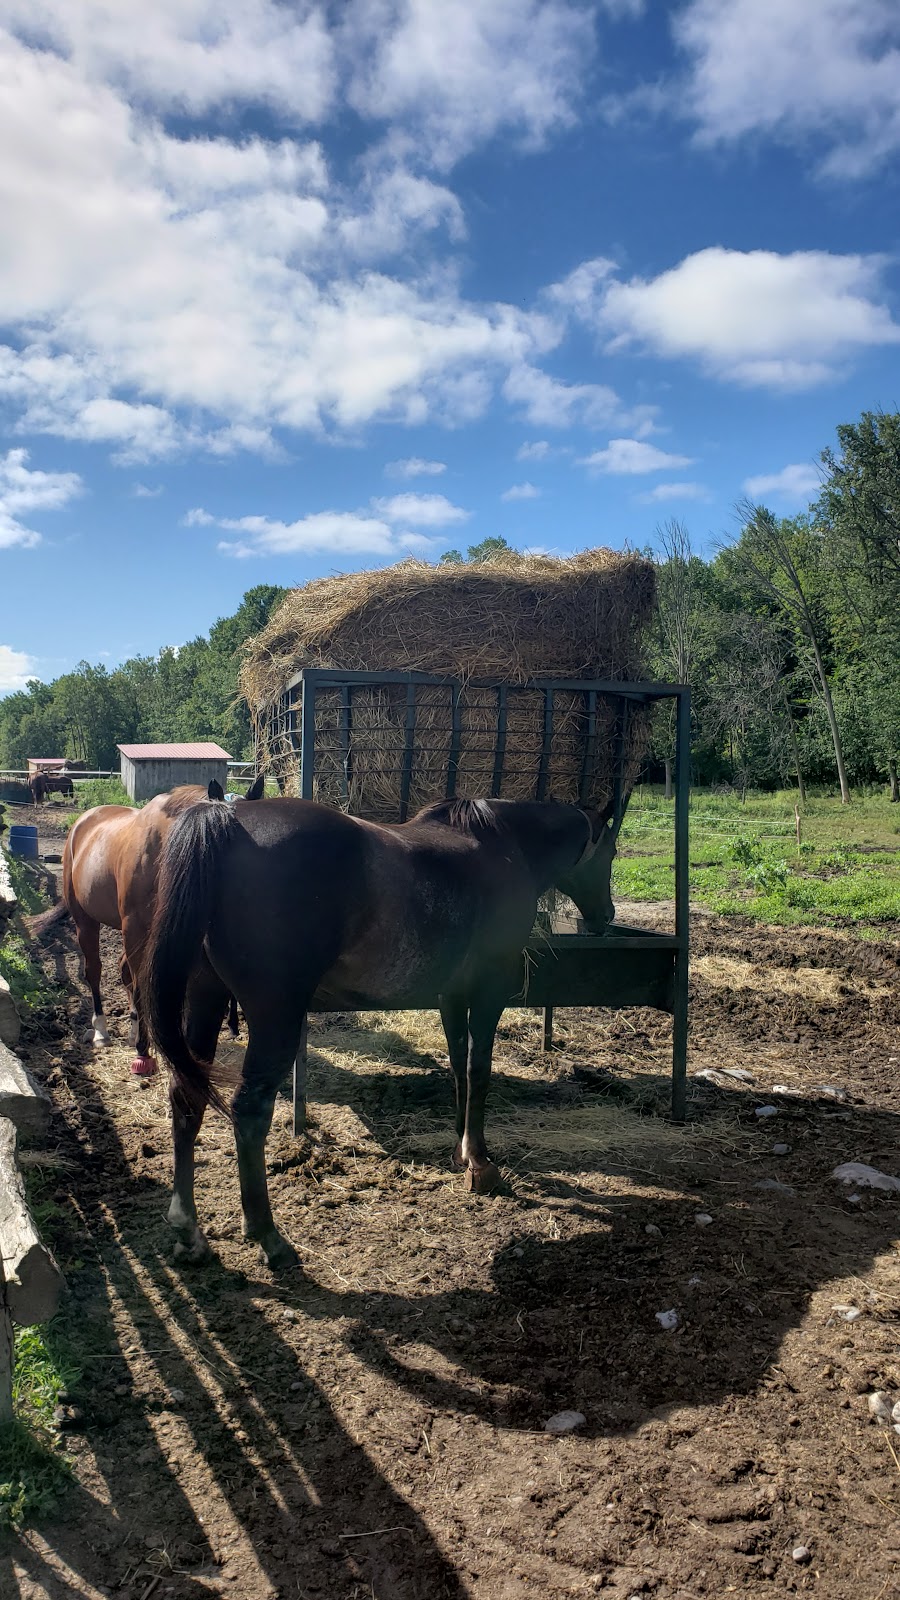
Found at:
[110, 864]
[44, 783]
[290, 902]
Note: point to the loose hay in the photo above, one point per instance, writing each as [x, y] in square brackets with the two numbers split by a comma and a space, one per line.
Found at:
[505, 622]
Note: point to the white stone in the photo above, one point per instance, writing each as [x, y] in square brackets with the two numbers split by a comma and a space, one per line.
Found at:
[895, 1414]
[849, 1313]
[565, 1422]
[668, 1320]
[10, 1021]
[799, 1554]
[766, 1111]
[879, 1406]
[866, 1177]
[702, 1219]
[781, 1149]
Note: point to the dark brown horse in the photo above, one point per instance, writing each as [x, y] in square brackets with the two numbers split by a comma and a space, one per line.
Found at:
[289, 901]
[44, 783]
[110, 864]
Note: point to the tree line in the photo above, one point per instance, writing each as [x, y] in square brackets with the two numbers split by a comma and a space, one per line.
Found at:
[182, 694]
[788, 634]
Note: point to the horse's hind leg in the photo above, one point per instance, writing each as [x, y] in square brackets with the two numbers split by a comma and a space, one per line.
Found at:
[269, 1056]
[455, 1019]
[88, 934]
[206, 1004]
[483, 1177]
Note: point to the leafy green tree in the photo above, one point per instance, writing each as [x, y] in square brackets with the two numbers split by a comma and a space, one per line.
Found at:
[491, 549]
[859, 511]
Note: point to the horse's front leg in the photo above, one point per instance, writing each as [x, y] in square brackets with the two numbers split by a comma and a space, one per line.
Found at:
[455, 1019]
[482, 1176]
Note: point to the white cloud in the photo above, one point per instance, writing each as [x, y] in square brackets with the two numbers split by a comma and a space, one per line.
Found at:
[675, 491]
[336, 532]
[796, 484]
[193, 278]
[521, 491]
[197, 518]
[754, 317]
[23, 491]
[193, 55]
[144, 491]
[15, 669]
[458, 73]
[797, 70]
[535, 450]
[633, 456]
[550, 403]
[415, 467]
[421, 510]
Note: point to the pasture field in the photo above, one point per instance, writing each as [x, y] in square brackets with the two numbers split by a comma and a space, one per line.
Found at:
[374, 1426]
[745, 857]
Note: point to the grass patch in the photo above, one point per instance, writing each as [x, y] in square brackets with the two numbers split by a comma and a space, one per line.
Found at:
[99, 792]
[745, 858]
[33, 1469]
[28, 982]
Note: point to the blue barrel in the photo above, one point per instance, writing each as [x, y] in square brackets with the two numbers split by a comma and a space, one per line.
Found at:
[23, 841]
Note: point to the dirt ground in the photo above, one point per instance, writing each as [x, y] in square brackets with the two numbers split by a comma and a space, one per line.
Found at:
[373, 1427]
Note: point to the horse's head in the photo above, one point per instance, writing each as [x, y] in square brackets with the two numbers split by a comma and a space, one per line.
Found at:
[215, 790]
[587, 883]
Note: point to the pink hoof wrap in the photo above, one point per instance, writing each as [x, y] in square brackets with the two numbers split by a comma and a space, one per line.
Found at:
[143, 1066]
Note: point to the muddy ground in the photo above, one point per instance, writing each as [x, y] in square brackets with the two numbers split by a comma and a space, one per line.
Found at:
[373, 1428]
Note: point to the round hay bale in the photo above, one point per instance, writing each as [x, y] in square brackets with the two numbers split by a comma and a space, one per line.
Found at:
[507, 622]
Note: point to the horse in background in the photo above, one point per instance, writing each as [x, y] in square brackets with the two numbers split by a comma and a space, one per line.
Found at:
[44, 783]
[110, 864]
[291, 904]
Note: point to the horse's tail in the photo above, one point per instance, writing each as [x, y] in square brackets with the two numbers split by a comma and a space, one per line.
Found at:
[191, 861]
[39, 926]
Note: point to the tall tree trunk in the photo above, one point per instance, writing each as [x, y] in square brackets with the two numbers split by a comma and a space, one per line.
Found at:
[795, 750]
[832, 722]
[895, 785]
[668, 780]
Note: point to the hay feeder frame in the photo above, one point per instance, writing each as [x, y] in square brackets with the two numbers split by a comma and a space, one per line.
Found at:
[621, 968]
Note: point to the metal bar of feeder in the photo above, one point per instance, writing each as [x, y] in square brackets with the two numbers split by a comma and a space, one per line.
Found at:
[307, 735]
[346, 691]
[455, 739]
[408, 737]
[540, 792]
[589, 743]
[500, 747]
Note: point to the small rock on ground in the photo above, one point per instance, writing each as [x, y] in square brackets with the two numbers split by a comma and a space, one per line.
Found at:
[565, 1422]
[866, 1177]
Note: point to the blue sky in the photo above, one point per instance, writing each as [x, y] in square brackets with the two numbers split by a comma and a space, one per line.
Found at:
[290, 289]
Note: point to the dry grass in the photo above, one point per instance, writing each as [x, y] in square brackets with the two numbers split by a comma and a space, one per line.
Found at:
[811, 983]
[501, 622]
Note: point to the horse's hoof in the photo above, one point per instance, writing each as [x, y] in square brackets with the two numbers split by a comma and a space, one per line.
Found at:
[192, 1255]
[485, 1179]
[144, 1067]
[282, 1257]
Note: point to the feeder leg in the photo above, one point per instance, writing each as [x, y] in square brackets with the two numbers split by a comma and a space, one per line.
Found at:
[679, 1038]
[548, 1027]
[300, 1081]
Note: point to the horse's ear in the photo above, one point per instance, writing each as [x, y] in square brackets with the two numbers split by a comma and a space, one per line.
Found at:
[599, 819]
[257, 788]
[215, 790]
